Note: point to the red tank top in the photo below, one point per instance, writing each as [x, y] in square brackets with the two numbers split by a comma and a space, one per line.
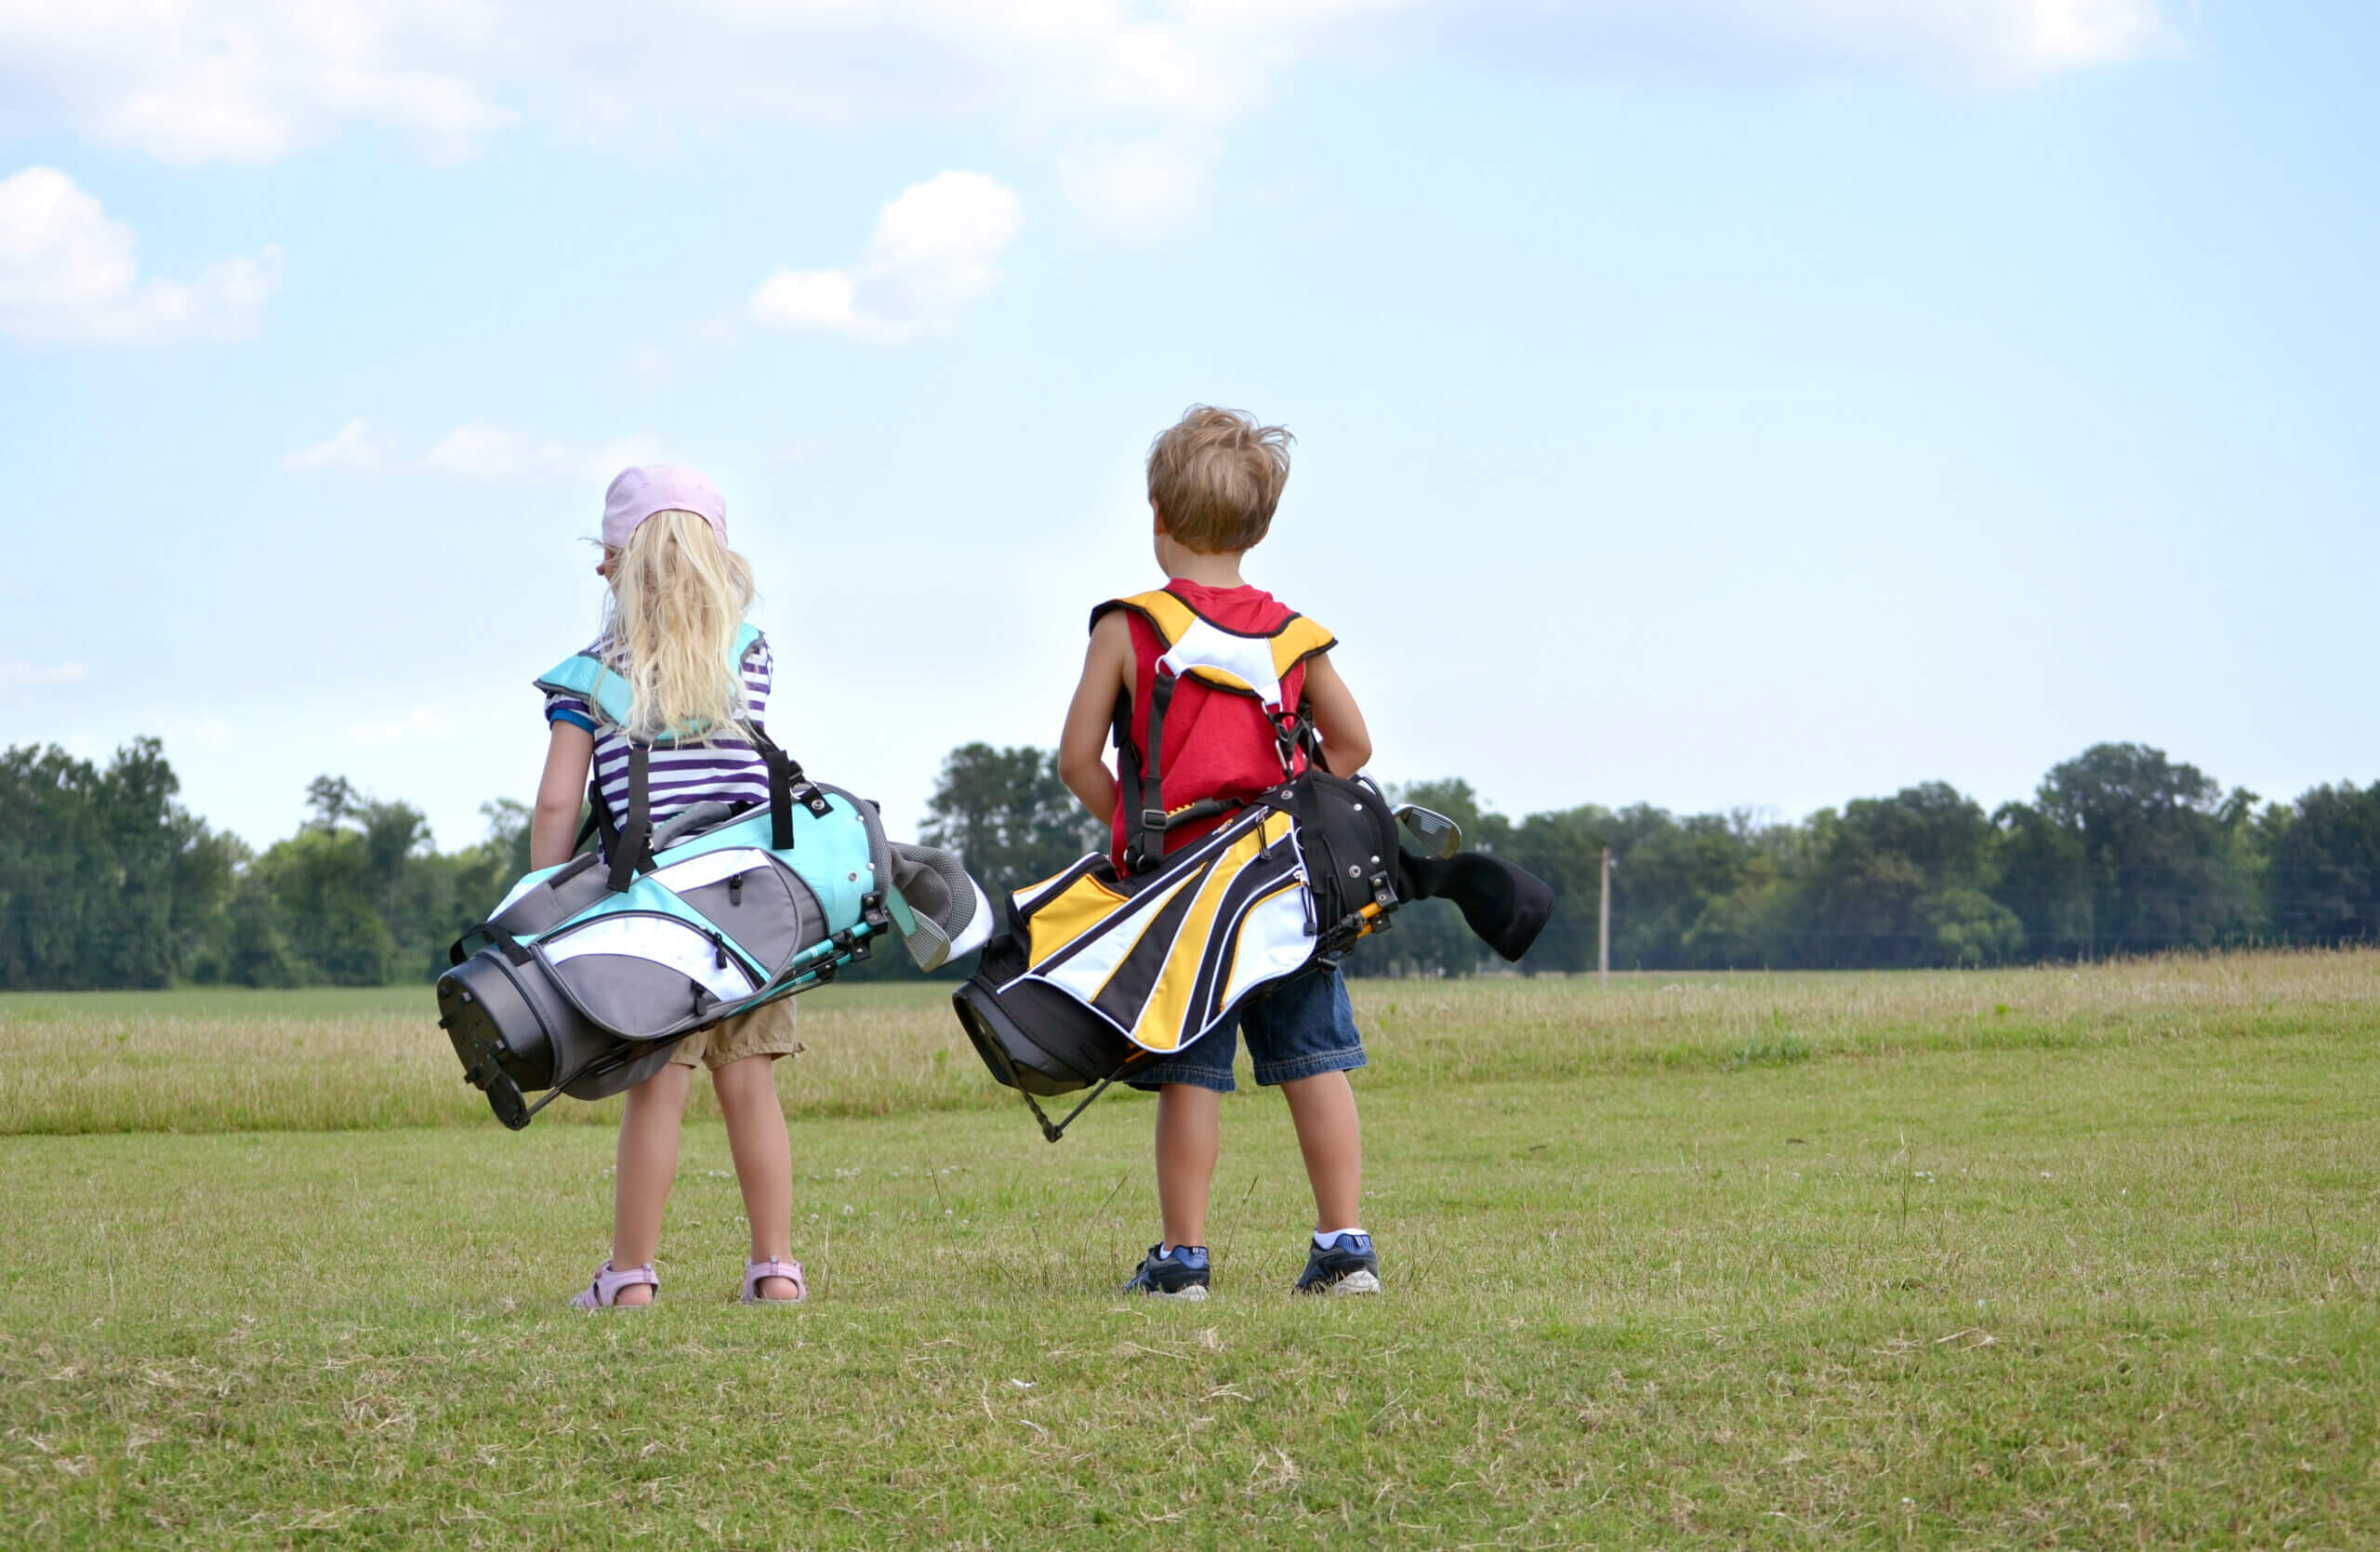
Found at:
[1215, 744]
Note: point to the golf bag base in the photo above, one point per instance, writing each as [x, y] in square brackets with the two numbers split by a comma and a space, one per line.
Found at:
[512, 1032]
[1088, 1057]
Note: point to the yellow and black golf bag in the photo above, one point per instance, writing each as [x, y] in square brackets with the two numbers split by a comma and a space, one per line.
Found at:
[1103, 971]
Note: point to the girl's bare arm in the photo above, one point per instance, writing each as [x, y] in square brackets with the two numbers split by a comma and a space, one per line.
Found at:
[553, 824]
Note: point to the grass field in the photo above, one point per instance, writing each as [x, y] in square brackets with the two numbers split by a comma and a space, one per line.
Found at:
[2037, 1258]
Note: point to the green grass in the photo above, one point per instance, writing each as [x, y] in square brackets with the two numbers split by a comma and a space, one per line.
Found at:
[1806, 1261]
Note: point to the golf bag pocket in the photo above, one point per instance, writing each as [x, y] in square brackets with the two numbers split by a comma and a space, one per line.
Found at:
[644, 974]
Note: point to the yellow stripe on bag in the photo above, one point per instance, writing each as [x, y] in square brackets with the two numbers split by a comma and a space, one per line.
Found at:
[1161, 1025]
[1081, 905]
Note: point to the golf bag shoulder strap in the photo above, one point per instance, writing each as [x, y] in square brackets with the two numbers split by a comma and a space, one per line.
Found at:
[1239, 662]
[629, 846]
[606, 692]
[632, 848]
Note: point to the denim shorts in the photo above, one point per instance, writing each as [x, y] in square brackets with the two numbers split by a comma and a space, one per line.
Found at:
[1296, 1029]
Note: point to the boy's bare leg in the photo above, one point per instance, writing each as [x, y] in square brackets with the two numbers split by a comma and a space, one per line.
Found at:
[646, 1166]
[756, 1138]
[1323, 1108]
[1189, 1135]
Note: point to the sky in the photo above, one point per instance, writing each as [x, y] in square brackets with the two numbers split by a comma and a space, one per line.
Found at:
[1714, 404]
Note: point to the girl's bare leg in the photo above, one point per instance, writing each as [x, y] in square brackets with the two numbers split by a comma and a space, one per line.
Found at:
[756, 1136]
[647, 1167]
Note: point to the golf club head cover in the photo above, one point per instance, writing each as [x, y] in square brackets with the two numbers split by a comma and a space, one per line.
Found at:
[1505, 906]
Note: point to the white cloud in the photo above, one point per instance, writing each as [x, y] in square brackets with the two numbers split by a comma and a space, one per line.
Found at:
[486, 451]
[423, 723]
[355, 450]
[606, 459]
[1146, 86]
[254, 80]
[1967, 42]
[40, 676]
[480, 449]
[1145, 187]
[68, 274]
[934, 249]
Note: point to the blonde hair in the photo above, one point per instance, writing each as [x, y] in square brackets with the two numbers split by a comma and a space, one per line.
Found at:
[679, 596]
[1215, 476]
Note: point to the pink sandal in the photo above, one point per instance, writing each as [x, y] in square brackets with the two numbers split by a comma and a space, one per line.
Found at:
[757, 1272]
[604, 1292]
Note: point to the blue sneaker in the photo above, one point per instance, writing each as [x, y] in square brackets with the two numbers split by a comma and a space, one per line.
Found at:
[1179, 1273]
[1346, 1265]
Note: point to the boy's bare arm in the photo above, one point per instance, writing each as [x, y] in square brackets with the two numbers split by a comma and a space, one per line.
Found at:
[1346, 743]
[1106, 674]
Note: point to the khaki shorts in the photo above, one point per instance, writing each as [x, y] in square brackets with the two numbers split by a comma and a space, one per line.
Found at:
[763, 1033]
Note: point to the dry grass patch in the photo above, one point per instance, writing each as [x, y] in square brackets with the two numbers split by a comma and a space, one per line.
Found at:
[206, 1061]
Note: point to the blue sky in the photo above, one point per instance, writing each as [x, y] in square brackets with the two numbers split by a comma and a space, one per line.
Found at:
[1709, 403]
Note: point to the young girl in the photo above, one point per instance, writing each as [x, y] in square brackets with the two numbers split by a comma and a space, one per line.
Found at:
[679, 598]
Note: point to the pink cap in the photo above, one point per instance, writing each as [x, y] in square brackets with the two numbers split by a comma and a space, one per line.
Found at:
[637, 493]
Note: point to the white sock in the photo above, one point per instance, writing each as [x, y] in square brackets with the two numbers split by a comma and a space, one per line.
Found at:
[1322, 1237]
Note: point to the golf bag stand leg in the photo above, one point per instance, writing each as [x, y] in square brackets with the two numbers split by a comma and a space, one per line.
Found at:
[1058, 1130]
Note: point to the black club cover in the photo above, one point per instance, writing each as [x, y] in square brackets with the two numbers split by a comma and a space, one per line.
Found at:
[1505, 906]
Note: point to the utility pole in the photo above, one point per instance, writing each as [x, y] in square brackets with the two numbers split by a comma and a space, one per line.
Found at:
[1603, 927]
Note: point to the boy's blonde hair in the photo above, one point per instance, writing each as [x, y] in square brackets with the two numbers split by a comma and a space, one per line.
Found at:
[679, 596]
[1216, 475]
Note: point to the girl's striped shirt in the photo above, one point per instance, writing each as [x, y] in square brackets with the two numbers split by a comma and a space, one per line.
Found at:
[727, 769]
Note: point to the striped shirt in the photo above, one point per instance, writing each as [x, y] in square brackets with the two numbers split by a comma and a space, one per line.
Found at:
[727, 769]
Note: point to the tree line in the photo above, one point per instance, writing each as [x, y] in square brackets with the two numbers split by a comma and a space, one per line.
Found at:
[107, 881]
[2121, 851]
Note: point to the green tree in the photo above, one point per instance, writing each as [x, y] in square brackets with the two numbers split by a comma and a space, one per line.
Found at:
[1902, 880]
[357, 896]
[1008, 815]
[1564, 848]
[54, 865]
[2325, 877]
[105, 880]
[2046, 882]
[254, 951]
[2155, 849]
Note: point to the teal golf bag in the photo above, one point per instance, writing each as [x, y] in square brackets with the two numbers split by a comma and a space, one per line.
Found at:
[586, 975]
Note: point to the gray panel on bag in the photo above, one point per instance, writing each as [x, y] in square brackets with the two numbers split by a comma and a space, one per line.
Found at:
[777, 918]
[557, 900]
[633, 998]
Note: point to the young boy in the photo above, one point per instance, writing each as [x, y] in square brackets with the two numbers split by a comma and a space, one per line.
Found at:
[1213, 481]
